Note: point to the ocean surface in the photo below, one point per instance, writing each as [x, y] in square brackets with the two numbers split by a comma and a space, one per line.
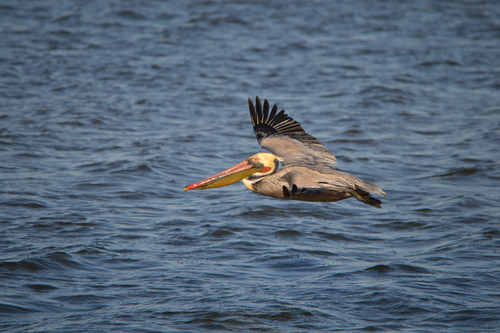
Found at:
[109, 108]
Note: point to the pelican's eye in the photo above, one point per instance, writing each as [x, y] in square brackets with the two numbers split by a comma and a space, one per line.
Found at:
[256, 159]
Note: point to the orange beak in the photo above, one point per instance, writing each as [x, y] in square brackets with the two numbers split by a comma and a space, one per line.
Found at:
[227, 177]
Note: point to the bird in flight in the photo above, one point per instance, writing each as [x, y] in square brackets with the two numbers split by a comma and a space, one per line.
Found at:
[307, 173]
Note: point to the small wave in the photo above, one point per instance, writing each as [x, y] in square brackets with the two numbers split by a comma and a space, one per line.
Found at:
[25, 264]
[315, 253]
[142, 168]
[129, 14]
[242, 246]
[24, 203]
[380, 270]
[458, 172]
[67, 17]
[66, 87]
[64, 219]
[401, 225]
[398, 268]
[335, 237]
[492, 233]
[51, 261]
[15, 308]
[180, 240]
[290, 262]
[125, 264]
[288, 234]
[218, 234]
[41, 287]
[374, 95]
[432, 63]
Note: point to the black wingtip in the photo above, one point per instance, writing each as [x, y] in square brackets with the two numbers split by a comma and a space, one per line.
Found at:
[267, 123]
[279, 125]
[258, 106]
[266, 111]
[253, 115]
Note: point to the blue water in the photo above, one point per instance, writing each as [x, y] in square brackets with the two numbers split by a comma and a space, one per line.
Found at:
[108, 109]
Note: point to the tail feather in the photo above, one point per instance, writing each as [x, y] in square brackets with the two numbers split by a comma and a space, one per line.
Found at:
[366, 198]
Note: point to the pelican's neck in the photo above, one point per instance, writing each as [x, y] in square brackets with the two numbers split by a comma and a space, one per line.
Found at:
[249, 183]
[257, 177]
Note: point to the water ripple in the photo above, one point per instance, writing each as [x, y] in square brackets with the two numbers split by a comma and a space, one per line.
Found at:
[109, 109]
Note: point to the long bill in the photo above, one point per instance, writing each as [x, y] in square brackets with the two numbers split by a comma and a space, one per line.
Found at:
[227, 177]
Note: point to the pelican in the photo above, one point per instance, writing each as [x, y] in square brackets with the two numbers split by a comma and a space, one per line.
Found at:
[307, 173]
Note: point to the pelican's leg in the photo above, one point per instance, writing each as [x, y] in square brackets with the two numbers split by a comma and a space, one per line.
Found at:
[289, 194]
[286, 193]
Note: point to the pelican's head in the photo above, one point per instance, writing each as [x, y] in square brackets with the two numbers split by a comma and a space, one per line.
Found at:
[257, 166]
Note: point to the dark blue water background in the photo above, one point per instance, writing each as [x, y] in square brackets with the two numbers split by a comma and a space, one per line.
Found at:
[109, 108]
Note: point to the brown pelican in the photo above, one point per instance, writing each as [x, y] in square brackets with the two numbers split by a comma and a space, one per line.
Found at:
[306, 174]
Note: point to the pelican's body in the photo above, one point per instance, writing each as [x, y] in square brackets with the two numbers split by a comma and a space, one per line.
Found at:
[303, 183]
[306, 175]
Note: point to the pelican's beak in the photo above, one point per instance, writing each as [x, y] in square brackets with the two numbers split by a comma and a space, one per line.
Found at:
[228, 177]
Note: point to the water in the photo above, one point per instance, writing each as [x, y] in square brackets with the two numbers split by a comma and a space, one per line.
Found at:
[108, 109]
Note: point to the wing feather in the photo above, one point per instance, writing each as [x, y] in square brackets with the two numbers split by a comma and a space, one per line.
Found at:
[285, 137]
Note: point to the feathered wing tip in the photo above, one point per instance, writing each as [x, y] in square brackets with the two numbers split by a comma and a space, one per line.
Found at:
[284, 137]
[368, 199]
[363, 191]
[370, 187]
[267, 124]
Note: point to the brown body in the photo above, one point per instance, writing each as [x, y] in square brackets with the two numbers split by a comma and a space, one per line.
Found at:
[307, 173]
[302, 183]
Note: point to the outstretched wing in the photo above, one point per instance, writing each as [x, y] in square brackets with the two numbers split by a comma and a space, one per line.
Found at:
[285, 138]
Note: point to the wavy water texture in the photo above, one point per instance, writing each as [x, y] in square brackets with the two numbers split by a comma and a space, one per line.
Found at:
[108, 109]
